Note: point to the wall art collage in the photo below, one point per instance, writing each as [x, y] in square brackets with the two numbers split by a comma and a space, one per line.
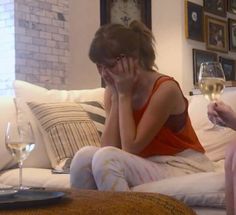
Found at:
[211, 23]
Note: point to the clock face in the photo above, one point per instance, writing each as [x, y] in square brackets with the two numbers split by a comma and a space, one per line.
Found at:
[125, 11]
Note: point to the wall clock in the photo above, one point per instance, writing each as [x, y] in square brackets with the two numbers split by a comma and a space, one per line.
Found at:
[125, 11]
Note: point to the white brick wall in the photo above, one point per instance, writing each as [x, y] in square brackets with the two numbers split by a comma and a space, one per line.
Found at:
[42, 42]
[34, 43]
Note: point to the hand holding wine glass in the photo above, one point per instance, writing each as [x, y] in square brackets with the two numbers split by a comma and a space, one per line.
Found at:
[211, 81]
[19, 140]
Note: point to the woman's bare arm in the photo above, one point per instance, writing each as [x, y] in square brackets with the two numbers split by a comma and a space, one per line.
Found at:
[164, 102]
[111, 134]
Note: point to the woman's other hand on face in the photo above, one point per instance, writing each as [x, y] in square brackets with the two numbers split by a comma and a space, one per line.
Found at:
[125, 75]
[104, 72]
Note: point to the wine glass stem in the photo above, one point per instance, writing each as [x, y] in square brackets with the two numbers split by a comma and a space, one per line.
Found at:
[20, 174]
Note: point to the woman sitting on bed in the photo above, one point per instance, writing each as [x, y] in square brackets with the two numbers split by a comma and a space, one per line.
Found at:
[147, 119]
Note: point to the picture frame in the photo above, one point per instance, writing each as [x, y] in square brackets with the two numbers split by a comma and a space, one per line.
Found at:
[232, 35]
[228, 66]
[216, 34]
[200, 56]
[194, 21]
[232, 6]
[124, 11]
[218, 7]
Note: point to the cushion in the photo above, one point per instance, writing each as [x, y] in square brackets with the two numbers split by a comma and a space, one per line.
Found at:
[35, 177]
[38, 157]
[31, 92]
[66, 127]
[26, 92]
[214, 141]
[200, 189]
[8, 114]
[96, 113]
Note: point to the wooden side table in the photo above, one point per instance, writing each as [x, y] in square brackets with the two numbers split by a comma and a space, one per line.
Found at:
[88, 202]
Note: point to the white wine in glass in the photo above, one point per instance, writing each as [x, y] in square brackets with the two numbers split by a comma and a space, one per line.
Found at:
[211, 81]
[19, 140]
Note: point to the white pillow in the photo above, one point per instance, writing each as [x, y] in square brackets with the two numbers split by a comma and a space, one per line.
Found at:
[31, 92]
[214, 141]
[26, 92]
[200, 189]
[38, 157]
[8, 114]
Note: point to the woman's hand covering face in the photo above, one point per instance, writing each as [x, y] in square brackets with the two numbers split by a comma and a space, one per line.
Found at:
[124, 74]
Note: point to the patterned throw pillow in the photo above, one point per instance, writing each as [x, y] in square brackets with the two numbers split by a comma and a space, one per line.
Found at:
[66, 127]
[96, 113]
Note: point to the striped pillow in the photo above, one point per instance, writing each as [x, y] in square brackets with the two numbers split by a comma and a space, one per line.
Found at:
[66, 127]
[96, 113]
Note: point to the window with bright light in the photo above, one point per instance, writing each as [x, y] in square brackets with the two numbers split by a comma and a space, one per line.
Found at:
[7, 47]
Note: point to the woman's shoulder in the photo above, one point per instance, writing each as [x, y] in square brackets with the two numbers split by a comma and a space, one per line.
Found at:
[165, 81]
[168, 89]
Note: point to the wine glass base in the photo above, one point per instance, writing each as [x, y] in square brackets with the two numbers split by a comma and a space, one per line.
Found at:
[21, 188]
[27, 188]
[24, 188]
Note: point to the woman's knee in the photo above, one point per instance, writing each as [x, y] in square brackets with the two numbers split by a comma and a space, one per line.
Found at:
[84, 155]
[81, 159]
[104, 156]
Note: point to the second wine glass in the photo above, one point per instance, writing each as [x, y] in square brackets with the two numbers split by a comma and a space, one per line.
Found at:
[19, 140]
[211, 81]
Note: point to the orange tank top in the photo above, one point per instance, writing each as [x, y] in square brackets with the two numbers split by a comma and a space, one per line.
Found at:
[168, 141]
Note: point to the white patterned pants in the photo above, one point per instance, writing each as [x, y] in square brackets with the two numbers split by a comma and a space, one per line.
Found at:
[110, 168]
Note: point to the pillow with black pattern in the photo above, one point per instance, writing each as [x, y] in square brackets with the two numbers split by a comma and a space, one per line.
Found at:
[66, 127]
[96, 113]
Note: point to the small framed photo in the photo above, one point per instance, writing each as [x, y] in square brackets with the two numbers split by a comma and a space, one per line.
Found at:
[216, 34]
[194, 21]
[217, 7]
[232, 6]
[232, 35]
[125, 11]
[200, 56]
[228, 66]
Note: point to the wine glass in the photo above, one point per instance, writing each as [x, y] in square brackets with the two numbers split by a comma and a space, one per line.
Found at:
[19, 140]
[211, 82]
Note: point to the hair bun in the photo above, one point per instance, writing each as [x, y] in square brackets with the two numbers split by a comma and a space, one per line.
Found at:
[137, 26]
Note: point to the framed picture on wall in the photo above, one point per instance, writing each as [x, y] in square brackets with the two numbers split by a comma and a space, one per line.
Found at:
[232, 35]
[193, 21]
[228, 66]
[217, 7]
[125, 11]
[200, 56]
[216, 34]
[232, 6]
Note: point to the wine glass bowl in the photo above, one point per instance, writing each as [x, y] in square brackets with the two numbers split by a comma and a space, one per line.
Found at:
[19, 140]
[211, 80]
